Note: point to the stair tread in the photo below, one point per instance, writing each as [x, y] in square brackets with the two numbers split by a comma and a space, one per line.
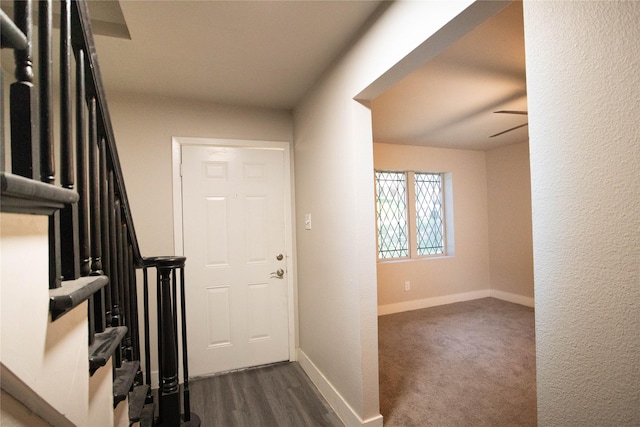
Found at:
[147, 416]
[24, 195]
[123, 380]
[72, 293]
[104, 346]
[137, 397]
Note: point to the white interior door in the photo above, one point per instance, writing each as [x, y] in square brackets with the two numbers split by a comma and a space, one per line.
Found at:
[234, 241]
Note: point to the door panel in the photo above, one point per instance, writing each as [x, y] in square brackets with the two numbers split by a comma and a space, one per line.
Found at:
[233, 228]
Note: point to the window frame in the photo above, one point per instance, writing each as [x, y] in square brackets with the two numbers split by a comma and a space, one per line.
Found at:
[406, 215]
[411, 215]
[443, 217]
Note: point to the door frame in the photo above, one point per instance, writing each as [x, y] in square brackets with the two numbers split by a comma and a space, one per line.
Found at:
[178, 231]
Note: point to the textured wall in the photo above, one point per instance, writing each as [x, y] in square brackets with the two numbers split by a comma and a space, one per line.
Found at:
[583, 83]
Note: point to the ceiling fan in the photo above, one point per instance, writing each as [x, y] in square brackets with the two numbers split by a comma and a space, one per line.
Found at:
[524, 113]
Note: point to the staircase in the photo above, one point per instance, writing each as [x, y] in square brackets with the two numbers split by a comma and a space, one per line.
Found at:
[71, 264]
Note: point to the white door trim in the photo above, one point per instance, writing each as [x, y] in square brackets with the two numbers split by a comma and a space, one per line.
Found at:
[178, 232]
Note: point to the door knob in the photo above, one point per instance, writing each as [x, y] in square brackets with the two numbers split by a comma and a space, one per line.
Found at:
[277, 274]
[279, 257]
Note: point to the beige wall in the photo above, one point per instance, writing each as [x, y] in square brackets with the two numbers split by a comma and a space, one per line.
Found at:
[491, 227]
[509, 203]
[466, 271]
[14, 414]
[333, 165]
[44, 364]
[583, 89]
[144, 126]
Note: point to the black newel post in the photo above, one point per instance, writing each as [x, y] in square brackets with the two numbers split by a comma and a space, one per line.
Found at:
[170, 415]
[169, 390]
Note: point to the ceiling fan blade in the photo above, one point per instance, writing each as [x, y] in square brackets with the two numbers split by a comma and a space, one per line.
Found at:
[509, 130]
[524, 113]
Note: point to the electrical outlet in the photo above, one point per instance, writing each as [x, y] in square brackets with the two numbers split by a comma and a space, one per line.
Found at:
[407, 285]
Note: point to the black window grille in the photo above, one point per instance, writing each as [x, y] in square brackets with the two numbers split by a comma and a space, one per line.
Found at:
[429, 213]
[391, 194]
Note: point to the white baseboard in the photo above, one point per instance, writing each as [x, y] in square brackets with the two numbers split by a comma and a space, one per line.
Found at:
[450, 299]
[508, 296]
[431, 302]
[333, 397]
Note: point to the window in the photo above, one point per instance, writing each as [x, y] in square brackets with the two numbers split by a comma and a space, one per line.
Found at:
[424, 205]
[391, 191]
[429, 218]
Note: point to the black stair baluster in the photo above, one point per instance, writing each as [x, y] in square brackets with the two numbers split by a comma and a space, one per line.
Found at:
[47, 161]
[66, 152]
[147, 339]
[25, 145]
[69, 215]
[95, 214]
[104, 225]
[91, 319]
[81, 166]
[160, 335]
[94, 193]
[120, 261]
[55, 251]
[126, 291]
[45, 21]
[135, 333]
[113, 274]
[81, 177]
[185, 357]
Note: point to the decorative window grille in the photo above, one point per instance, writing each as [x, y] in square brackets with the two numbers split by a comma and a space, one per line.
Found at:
[391, 194]
[429, 213]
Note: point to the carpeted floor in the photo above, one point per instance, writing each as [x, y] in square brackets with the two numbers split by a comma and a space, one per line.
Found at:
[465, 364]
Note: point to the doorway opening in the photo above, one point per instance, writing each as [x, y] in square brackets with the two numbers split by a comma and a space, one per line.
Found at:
[449, 117]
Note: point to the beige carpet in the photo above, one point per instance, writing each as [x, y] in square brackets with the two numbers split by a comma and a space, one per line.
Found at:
[465, 364]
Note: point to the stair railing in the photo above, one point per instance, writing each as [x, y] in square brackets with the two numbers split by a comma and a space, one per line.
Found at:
[94, 252]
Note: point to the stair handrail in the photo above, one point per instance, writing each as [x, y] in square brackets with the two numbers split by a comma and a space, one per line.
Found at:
[96, 88]
[169, 391]
[29, 188]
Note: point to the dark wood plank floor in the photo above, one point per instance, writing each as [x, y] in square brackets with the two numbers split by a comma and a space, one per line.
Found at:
[278, 395]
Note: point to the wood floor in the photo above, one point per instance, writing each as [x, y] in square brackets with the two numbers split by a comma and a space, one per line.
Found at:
[278, 395]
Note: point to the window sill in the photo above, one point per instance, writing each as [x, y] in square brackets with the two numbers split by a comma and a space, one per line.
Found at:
[422, 258]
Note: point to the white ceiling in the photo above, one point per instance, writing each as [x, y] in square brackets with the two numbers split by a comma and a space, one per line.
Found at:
[249, 53]
[450, 101]
[270, 53]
